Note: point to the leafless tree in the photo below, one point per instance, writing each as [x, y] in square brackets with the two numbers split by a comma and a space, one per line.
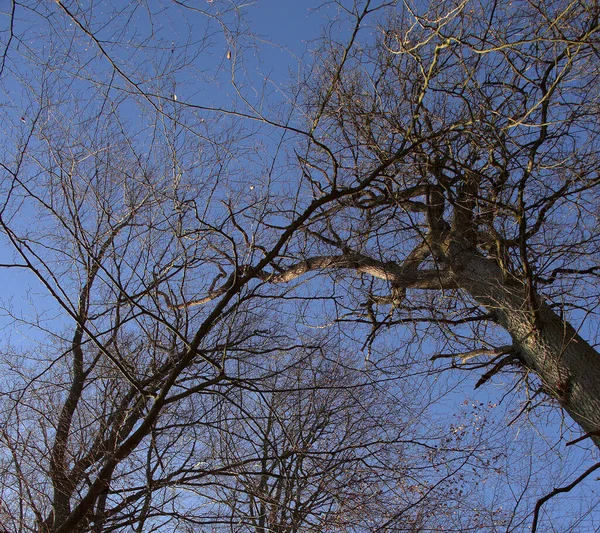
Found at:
[246, 300]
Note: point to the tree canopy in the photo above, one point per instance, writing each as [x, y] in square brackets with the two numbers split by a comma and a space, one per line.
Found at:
[265, 278]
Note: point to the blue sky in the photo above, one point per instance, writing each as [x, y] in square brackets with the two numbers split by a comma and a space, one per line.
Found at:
[289, 28]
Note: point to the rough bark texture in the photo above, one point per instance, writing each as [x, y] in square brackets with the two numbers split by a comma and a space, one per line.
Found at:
[567, 365]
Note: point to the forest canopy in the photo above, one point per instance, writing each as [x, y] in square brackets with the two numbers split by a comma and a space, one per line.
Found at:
[331, 269]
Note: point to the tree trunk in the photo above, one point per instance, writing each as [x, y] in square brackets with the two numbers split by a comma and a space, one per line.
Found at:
[567, 365]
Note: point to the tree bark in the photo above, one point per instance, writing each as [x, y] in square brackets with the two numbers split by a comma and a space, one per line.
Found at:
[567, 365]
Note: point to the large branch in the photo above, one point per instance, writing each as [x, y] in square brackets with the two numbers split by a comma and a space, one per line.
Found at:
[398, 276]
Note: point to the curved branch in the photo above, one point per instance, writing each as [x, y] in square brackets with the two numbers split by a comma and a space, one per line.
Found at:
[559, 490]
[389, 271]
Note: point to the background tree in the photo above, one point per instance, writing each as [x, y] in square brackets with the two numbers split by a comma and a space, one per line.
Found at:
[250, 298]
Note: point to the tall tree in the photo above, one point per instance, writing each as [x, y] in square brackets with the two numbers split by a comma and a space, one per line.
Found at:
[248, 301]
[465, 142]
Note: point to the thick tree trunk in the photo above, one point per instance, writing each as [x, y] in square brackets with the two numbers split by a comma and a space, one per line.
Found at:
[567, 365]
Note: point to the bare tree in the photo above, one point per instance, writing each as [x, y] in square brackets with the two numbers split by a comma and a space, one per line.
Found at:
[476, 143]
[249, 302]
